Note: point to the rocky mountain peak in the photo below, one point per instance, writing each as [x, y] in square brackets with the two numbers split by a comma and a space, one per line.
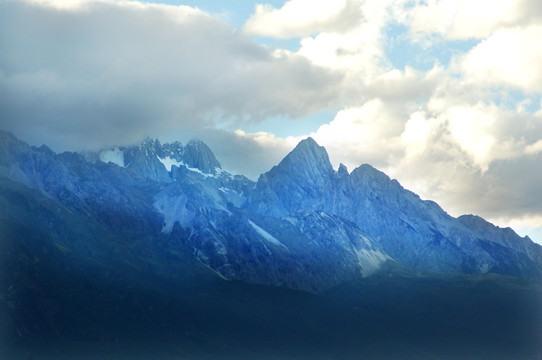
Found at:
[299, 182]
[309, 158]
[367, 176]
[343, 171]
[150, 143]
[198, 155]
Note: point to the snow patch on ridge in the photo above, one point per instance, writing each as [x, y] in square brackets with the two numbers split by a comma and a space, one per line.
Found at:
[115, 156]
[169, 162]
[198, 171]
[267, 236]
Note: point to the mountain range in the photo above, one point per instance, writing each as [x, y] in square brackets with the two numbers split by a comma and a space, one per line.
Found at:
[155, 213]
[302, 225]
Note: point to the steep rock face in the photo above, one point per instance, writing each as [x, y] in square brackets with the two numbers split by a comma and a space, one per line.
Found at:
[198, 155]
[144, 161]
[310, 251]
[510, 253]
[91, 190]
[301, 181]
[505, 237]
[406, 226]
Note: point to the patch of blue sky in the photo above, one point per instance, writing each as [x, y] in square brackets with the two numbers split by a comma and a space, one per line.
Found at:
[234, 12]
[284, 126]
[402, 50]
[512, 99]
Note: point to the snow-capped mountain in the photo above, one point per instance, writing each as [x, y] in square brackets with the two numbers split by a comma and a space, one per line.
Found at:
[301, 225]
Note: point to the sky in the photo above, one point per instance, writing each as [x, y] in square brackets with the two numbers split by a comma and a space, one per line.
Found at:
[445, 96]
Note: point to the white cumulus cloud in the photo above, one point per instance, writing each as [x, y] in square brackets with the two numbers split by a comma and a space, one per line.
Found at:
[465, 19]
[297, 18]
[508, 57]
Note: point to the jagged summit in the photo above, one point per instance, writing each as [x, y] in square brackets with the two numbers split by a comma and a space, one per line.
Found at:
[342, 171]
[301, 181]
[308, 144]
[155, 161]
[310, 156]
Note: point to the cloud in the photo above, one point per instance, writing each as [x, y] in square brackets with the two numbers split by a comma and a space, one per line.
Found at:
[249, 154]
[359, 49]
[104, 72]
[367, 133]
[348, 35]
[299, 18]
[468, 19]
[534, 148]
[509, 57]
[405, 85]
[473, 128]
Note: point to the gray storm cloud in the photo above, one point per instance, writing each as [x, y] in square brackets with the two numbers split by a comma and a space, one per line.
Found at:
[106, 73]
